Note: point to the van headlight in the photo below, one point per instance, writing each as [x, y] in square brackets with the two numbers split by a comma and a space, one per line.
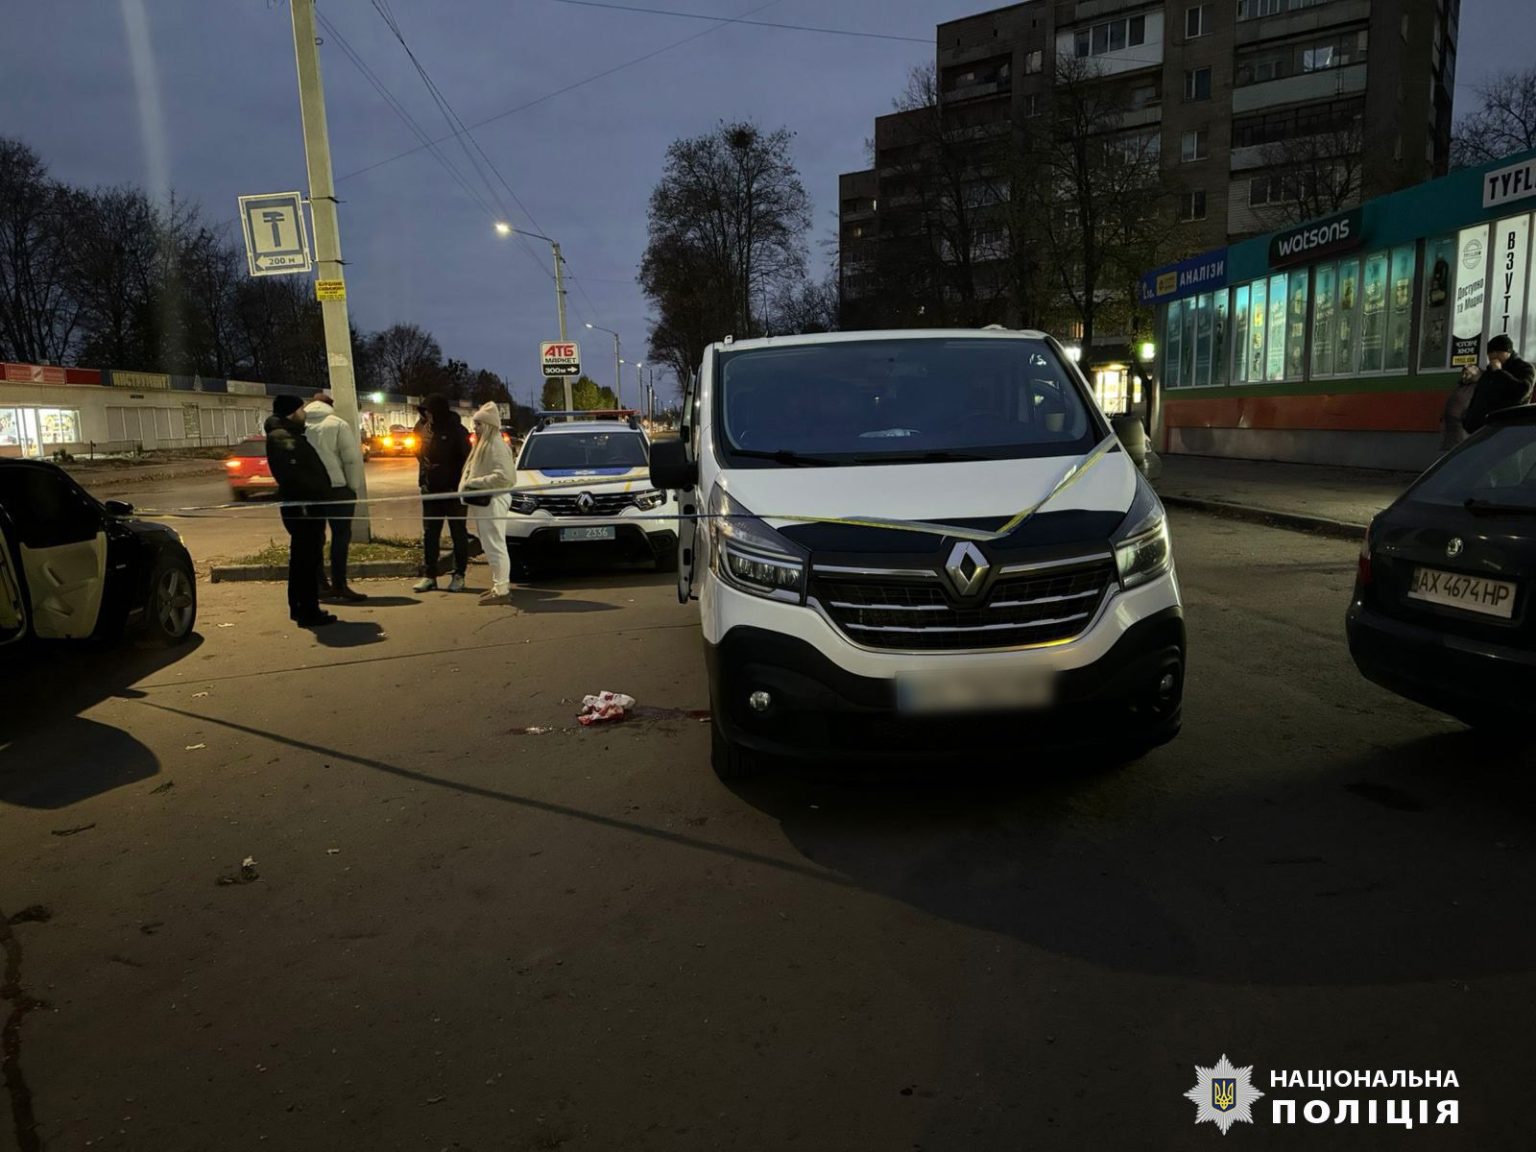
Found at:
[1143, 549]
[650, 499]
[751, 556]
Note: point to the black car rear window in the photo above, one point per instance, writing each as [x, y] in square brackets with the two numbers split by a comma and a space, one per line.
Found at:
[1497, 468]
[250, 448]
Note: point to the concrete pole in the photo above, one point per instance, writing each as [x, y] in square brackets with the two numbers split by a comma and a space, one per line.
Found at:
[322, 210]
[560, 306]
[618, 374]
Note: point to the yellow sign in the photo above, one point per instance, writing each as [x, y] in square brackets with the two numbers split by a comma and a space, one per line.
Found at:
[330, 289]
[140, 381]
[1167, 282]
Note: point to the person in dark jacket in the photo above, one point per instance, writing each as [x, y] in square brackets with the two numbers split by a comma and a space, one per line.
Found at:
[442, 448]
[301, 479]
[1505, 383]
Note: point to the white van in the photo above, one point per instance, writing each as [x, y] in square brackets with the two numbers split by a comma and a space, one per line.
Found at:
[920, 542]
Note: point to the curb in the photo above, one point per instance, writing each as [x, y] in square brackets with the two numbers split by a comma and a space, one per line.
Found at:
[367, 570]
[1296, 521]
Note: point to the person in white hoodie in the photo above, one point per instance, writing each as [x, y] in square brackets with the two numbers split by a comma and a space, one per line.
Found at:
[492, 466]
[341, 452]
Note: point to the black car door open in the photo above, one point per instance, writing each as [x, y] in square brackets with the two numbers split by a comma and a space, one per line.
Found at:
[63, 547]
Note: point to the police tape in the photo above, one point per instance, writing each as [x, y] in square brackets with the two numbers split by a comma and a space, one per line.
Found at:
[318, 509]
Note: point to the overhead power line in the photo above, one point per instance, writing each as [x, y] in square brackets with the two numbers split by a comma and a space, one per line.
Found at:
[724, 21]
[749, 23]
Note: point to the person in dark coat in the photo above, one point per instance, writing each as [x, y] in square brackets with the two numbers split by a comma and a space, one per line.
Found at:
[442, 448]
[301, 479]
[1505, 383]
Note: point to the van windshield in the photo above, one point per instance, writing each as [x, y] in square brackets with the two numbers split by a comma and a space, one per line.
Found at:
[905, 400]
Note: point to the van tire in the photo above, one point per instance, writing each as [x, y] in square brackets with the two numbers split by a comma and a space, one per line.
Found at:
[732, 763]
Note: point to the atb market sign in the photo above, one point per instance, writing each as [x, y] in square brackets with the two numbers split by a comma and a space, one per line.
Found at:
[559, 358]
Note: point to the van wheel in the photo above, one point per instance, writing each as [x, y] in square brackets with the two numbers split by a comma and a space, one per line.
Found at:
[730, 760]
[172, 608]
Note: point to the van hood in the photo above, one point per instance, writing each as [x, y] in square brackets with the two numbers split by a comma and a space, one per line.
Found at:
[932, 493]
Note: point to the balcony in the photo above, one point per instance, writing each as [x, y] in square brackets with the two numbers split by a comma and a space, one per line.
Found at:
[1327, 84]
[1313, 19]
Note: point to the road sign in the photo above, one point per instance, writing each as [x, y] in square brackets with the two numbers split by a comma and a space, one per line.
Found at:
[330, 289]
[276, 241]
[560, 358]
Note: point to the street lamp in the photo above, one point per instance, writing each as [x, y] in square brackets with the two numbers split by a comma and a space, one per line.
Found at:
[505, 229]
[618, 376]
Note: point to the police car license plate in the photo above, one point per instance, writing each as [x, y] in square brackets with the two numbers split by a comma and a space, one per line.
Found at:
[1469, 593]
[596, 532]
[1011, 690]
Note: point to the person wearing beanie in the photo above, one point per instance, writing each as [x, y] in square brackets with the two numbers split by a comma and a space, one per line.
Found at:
[301, 480]
[340, 451]
[442, 448]
[1505, 383]
[491, 467]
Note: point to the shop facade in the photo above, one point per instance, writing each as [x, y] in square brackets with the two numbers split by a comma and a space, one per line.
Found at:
[1337, 341]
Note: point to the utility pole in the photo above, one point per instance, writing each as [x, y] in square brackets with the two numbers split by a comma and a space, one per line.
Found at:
[560, 305]
[322, 210]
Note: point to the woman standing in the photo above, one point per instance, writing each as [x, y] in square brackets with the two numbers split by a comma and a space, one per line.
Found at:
[491, 466]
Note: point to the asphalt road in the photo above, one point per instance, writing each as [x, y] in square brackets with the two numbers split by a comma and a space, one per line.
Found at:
[234, 533]
[467, 935]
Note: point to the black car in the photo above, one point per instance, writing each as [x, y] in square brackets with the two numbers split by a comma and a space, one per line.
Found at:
[1443, 610]
[72, 568]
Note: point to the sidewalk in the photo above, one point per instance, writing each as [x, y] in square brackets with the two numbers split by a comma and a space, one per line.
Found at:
[1336, 501]
[95, 477]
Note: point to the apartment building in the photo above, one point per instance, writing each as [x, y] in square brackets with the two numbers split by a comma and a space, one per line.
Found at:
[1258, 113]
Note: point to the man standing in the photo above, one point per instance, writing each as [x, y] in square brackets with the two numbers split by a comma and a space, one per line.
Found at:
[301, 479]
[338, 448]
[442, 445]
[1505, 383]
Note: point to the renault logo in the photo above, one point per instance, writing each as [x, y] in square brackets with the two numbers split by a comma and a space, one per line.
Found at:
[967, 568]
[1454, 547]
[585, 503]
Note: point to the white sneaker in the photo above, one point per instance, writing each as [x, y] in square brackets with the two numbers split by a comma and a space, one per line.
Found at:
[456, 584]
[425, 584]
[493, 597]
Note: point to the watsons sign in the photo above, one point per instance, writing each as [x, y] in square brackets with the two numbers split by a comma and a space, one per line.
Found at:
[1204, 273]
[1316, 239]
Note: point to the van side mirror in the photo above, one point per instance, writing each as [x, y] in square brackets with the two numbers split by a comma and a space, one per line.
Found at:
[671, 470]
[1133, 438]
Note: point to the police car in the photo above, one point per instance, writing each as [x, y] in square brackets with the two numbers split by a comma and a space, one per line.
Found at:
[583, 492]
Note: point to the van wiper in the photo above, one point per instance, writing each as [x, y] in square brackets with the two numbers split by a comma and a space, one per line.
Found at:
[929, 457]
[1494, 508]
[784, 456]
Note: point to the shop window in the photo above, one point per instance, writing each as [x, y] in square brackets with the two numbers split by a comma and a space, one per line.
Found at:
[1219, 366]
[1191, 331]
[1435, 328]
[1324, 313]
[1240, 335]
[1346, 349]
[1373, 313]
[1173, 345]
[1400, 308]
[1258, 316]
[1296, 328]
[1274, 360]
[59, 425]
[1203, 316]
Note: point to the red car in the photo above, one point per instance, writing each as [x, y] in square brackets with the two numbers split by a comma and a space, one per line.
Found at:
[247, 469]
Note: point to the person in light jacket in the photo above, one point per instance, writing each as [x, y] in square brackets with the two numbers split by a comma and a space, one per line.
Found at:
[337, 445]
[491, 466]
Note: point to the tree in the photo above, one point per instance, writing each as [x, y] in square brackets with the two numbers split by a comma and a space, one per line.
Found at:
[1320, 174]
[1097, 195]
[115, 247]
[39, 316]
[488, 388]
[1503, 123]
[727, 228]
[809, 306]
[552, 399]
[409, 359]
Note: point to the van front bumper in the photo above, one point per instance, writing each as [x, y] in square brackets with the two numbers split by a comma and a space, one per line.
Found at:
[819, 709]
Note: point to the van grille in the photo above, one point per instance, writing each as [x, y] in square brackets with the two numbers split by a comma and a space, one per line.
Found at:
[917, 611]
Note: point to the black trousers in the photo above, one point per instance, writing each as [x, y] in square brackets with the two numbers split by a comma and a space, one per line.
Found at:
[306, 541]
[433, 515]
[339, 517]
